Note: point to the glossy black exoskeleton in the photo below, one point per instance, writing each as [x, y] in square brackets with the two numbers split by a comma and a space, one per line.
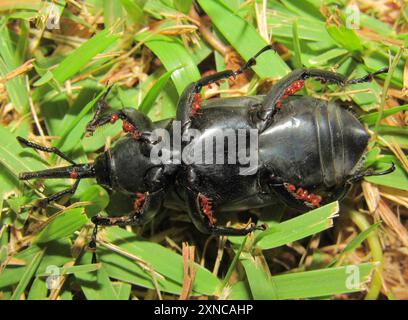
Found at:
[309, 153]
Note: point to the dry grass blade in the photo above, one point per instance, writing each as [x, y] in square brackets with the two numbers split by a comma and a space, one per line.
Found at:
[24, 68]
[389, 217]
[143, 264]
[189, 271]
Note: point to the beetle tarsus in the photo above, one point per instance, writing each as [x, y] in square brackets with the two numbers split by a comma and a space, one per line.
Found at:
[368, 77]
[92, 243]
[370, 173]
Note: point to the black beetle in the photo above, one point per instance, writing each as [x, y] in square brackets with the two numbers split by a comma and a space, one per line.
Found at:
[309, 153]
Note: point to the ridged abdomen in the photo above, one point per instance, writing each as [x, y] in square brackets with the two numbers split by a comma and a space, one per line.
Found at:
[312, 143]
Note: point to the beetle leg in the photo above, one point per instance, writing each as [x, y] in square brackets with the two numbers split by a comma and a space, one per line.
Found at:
[101, 105]
[146, 206]
[189, 104]
[202, 214]
[45, 201]
[134, 122]
[294, 82]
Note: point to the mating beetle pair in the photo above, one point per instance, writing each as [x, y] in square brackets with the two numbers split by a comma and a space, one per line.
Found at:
[310, 153]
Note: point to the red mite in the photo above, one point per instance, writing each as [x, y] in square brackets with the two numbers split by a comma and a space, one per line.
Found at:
[114, 118]
[207, 209]
[127, 126]
[292, 89]
[196, 105]
[140, 199]
[73, 174]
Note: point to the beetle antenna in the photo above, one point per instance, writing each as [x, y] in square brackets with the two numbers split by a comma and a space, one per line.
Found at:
[75, 171]
[28, 144]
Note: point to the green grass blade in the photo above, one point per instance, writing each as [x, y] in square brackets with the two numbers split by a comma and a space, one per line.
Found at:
[244, 38]
[296, 45]
[154, 92]
[233, 263]
[297, 228]
[16, 158]
[134, 11]
[355, 243]
[174, 56]
[27, 275]
[38, 290]
[96, 285]
[163, 260]
[393, 134]
[123, 269]
[78, 58]
[122, 290]
[62, 225]
[308, 284]
[9, 61]
[325, 57]
[372, 117]
[98, 198]
[58, 254]
[74, 122]
[74, 269]
[112, 13]
[345, 37]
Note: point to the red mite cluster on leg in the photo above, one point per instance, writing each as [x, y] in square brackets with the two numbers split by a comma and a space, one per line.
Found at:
[304, 195]
[292, 89]
[196, 105]
[140, 199]
[73, 174]
[126, 126]
[206, 206]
